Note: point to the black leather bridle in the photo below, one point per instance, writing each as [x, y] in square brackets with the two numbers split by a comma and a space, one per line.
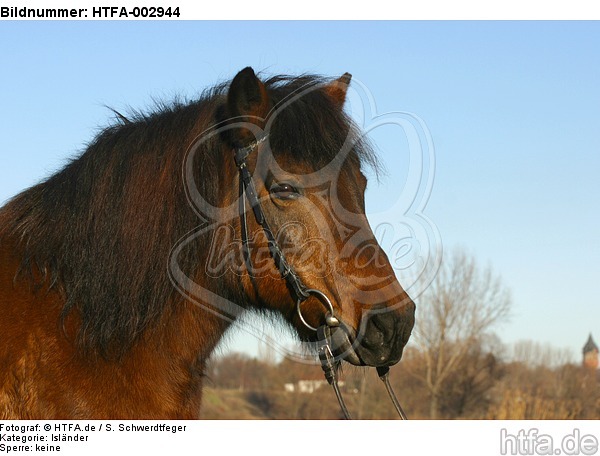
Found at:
[299, 291]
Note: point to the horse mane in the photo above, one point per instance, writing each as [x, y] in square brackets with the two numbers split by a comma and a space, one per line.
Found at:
[100, 230]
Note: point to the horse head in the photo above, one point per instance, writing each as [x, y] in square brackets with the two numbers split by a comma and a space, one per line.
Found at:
[308, 163]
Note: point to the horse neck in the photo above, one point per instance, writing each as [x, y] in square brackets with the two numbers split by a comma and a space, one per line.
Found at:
[167, 365]
[184, 337]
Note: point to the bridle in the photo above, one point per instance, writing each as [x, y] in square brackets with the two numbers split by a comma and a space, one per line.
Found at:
[298, 290]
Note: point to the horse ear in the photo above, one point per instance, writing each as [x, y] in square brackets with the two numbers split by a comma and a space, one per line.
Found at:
[247, 97]
[247, 101]
[337, 89]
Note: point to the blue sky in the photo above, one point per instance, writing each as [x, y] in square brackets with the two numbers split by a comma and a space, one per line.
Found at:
[513, 109]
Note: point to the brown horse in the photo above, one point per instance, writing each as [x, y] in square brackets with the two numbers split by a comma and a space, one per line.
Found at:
[109, 304]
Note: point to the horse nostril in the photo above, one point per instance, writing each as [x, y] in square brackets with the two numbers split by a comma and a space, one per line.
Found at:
[373, 338]
[384, 333]
[383, 322]
[385, 325]
[379, 332]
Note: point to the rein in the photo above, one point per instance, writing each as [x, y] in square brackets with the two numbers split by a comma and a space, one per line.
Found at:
[299, 291]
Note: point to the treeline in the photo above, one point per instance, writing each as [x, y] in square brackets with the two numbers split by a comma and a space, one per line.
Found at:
[482, 387]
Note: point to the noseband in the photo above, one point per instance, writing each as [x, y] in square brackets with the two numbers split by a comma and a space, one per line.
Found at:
[298, 290]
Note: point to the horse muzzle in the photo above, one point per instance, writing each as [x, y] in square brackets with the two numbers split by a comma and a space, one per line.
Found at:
[379, 340]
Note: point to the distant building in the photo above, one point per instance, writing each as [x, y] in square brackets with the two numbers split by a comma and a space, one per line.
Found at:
[307, 386]
[590, 354]
[310, 386]
[289, 387]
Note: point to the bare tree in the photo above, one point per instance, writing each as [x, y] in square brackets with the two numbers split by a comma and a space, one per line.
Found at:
[460, 306]
[535, 354]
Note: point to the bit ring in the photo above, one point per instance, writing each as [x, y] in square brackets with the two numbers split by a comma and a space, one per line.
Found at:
[330, 318]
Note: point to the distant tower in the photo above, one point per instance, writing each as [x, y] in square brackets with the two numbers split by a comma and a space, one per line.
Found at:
[590, 354]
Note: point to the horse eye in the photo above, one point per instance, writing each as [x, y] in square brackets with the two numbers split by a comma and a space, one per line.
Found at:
[284, 191]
